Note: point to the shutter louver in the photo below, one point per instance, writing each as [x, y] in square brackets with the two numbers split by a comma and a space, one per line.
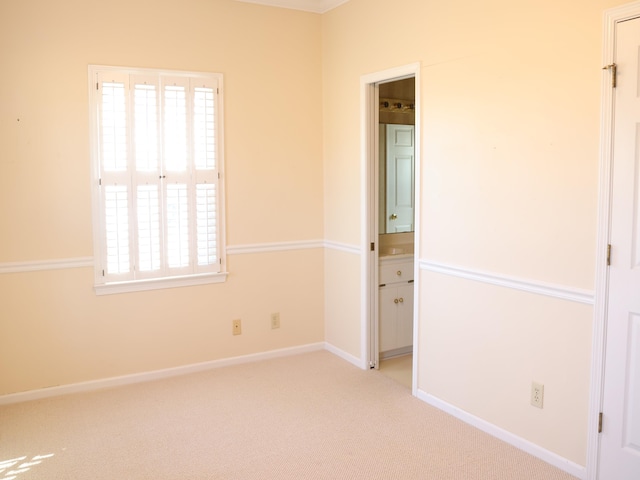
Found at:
[148, 228]
[175, 129]
[204, 128]
[177, 226]
[206, 224]
[114, 128]
[146, 128]
[117, 229]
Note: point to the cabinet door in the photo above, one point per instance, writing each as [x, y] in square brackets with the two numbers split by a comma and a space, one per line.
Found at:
[396, 272]
[404, 329]
[387, 329]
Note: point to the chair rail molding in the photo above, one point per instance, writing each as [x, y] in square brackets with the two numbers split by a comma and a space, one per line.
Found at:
[274, 247]
[88, 262]
[38, 265]
[527, 285]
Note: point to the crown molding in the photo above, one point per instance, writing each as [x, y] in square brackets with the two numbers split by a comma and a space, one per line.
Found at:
[314, 6]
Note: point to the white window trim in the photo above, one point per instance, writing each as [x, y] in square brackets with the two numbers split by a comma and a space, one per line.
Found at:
[102, 287]
[157, 283]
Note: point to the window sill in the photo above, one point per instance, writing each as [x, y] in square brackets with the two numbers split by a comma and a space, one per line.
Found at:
[160, 283]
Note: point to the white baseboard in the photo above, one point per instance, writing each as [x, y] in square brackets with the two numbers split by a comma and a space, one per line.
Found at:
[155, 375]
[396, 352]
[345, 356]
[508, 437]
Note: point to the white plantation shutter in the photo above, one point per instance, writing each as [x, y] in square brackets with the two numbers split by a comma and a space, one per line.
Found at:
[206, 224]
[204, 128]
[158, 174]
[145, 113]
[206, 174]
[149, 255]
[177, 226]
[146, 176]
[178, 184]
[116, 211]
[114, 127]
[175, 128]
[115, 182]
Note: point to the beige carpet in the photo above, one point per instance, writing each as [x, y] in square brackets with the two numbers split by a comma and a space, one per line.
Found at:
[312, 416]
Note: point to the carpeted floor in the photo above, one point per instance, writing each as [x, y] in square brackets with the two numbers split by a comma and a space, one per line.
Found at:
[312, 416]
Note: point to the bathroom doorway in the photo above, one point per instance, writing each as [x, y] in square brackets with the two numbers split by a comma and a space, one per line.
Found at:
[391, 140]
[396, 211]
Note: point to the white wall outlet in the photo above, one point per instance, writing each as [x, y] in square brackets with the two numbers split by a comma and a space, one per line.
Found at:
[236, 327]
[537, 394]
[275, 320]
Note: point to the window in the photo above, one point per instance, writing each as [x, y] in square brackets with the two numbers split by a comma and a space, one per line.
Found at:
[157, 162]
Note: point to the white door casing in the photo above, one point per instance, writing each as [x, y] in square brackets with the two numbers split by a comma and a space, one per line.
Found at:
[619, 454]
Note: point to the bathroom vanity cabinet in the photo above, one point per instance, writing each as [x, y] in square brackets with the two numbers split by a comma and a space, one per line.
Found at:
[396, 305]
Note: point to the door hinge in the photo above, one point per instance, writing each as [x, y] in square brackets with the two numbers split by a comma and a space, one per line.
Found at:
[103, 273]
[373, 246]
[608, 255]
[600, 422]
[614, 73]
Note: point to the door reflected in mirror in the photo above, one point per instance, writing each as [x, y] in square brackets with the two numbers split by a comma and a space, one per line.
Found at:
[397, 178]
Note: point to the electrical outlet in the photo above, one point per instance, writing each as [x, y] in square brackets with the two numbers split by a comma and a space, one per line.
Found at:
[537, 394]
[236, 328]
[275, 320]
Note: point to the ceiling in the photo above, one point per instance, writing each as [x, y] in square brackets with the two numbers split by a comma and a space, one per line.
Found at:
[316, 6]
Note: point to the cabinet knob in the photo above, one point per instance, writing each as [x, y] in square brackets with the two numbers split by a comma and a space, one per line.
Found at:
[399, 273]
[401, 300]
[395, 300]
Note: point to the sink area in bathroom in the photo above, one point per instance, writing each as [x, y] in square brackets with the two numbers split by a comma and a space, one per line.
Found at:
[406, 249]
[392, 251]
[396, 269]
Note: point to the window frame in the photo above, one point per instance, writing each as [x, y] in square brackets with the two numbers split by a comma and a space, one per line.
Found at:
[102, 285]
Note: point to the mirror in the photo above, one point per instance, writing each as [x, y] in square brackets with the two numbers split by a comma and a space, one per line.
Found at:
[396, 154]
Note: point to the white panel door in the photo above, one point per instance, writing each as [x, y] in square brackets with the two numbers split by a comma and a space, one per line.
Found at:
[400, 178]
[620, 438]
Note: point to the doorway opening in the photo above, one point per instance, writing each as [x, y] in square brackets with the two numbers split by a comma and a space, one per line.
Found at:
[391, 206]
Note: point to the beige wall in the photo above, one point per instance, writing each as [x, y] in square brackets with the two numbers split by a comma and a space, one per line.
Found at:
[510, 127]
[342, 302]
[53, 329]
